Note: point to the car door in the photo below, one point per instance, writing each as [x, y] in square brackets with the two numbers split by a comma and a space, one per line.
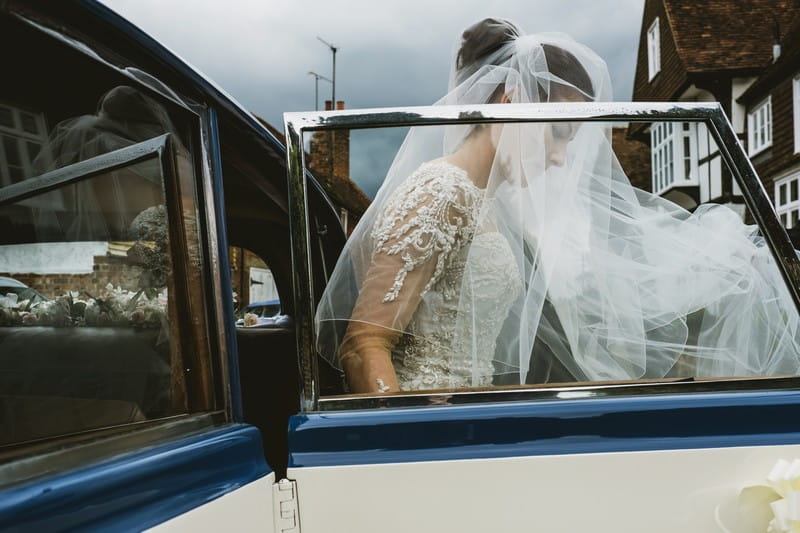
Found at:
[649, 455]
[116, 410]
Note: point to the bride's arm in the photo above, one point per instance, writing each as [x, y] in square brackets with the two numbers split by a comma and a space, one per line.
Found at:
[413, 242]
[376, 324]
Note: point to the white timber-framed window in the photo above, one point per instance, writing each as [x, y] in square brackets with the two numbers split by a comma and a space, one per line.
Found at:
[22, 135]
[673, 155]
[787, 200]
[688, 152]
[759, 127]
[662, 156]
[796, 106]
[653, 49]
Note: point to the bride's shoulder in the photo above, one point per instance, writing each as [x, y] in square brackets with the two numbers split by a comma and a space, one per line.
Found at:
[436, 192]
[443, 180]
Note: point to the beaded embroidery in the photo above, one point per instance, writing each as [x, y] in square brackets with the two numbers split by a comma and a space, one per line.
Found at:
[433, 217]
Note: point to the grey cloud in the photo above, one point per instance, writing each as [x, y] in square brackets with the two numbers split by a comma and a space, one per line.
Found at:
[371, 154]
[393, 52]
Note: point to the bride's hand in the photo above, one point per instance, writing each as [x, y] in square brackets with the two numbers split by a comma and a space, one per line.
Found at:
[368, 366]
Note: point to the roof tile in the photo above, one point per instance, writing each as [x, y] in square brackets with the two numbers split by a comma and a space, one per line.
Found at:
[717, 35]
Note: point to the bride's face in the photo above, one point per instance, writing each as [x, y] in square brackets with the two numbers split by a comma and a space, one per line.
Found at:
[558, 135]
[526, 151]
[541, 145]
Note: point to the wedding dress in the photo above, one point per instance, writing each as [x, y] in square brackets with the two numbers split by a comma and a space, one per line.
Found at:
[436, 211]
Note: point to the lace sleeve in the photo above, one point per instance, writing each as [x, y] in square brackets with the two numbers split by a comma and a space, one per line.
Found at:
[422, 225]
[425, 221]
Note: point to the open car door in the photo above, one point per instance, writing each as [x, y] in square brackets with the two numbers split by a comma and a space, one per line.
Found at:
[659, 455]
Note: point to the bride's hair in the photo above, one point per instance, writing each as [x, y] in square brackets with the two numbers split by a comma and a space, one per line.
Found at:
[567, 67]
[487, 37]
[484, 38]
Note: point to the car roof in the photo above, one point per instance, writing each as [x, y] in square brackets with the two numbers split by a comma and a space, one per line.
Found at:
[11, 282]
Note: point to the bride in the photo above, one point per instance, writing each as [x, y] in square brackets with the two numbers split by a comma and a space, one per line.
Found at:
[521, 253]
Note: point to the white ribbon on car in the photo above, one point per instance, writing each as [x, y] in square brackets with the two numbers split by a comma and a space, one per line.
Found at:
[784, 479]
[770, 508]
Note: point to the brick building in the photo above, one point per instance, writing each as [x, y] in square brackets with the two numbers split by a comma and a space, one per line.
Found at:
[53, 269]
[329, 160]
[633, 156]
[775, 96]
[741, 53]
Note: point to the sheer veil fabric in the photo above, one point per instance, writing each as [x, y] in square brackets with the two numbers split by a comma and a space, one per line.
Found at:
[476, 280]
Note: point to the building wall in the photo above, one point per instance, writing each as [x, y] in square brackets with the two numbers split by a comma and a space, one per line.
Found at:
[51, 257]
[330, 149]
[672, 78]
[106, 269]
[738, 113]
[242, 260]
[330, 153]
[779, 157]
[633, 157]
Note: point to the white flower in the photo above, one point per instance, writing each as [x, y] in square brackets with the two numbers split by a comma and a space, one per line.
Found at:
[250, 319]
[9, 300]
[115, 306]
[51, 313]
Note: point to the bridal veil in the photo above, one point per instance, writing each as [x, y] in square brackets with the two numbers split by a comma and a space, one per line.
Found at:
[616, 283]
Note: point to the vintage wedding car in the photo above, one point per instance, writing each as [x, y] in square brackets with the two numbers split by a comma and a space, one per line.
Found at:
[130, 401]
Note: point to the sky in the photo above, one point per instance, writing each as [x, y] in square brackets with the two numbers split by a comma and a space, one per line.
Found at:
[391, 52]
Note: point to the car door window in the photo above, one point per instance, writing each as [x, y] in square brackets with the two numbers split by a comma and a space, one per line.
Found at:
[102, 313]
[704, 298]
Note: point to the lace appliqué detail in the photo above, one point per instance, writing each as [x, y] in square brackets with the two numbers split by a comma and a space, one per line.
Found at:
[427, 218]
[439, 349]
[433, 220]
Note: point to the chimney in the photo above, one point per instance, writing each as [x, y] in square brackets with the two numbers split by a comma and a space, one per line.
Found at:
[330, 156]
[341, 150]
[776, 43]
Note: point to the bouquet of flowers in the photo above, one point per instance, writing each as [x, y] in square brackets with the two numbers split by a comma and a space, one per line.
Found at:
[112, 307]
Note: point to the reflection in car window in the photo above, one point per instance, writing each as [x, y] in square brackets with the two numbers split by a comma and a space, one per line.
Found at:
[88, 330]
[100, 343]
[23, 133]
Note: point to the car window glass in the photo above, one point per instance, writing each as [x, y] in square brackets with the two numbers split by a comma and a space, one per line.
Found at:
[633, 258]
[86, 339]
[102, 314]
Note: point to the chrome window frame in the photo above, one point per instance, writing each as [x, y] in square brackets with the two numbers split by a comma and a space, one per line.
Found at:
[158, 147]
[711, 114]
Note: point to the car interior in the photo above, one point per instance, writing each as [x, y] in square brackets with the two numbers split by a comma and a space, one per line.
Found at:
[257, 219]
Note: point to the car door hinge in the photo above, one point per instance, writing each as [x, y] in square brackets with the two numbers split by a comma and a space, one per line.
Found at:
[284, 504]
